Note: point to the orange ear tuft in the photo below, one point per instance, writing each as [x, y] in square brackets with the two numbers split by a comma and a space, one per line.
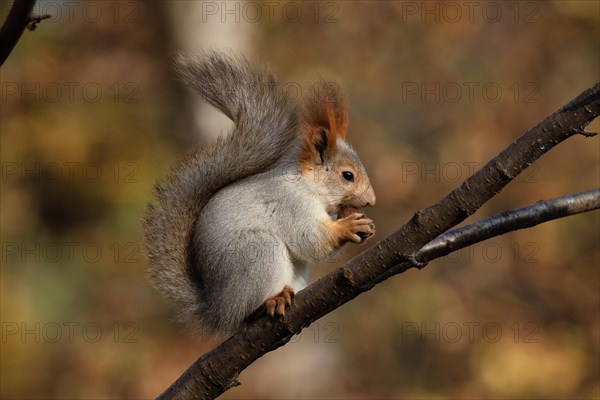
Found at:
[324, 120]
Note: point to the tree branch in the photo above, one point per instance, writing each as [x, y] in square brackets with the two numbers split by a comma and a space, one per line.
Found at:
[521, 218]
[217, 370]
[509, 221]
[12, 29]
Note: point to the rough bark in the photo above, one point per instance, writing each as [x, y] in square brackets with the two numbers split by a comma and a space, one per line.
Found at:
[217, 371]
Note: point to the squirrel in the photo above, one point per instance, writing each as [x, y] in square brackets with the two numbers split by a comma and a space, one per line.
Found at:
[236, 223]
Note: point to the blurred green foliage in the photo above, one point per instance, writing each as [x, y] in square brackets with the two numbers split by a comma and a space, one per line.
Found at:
[92, 114]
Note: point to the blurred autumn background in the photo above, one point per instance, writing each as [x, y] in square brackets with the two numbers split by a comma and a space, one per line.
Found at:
[92, 114]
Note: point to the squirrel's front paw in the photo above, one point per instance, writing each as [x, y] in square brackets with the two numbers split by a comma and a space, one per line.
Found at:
[356, 228]
[276, 305]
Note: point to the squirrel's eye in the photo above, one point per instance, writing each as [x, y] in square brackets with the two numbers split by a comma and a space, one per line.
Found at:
[349, 176]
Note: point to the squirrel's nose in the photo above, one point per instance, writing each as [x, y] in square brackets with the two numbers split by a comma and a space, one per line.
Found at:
[370, 197]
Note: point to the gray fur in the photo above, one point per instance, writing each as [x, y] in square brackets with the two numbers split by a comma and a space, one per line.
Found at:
[265, 129]
[254, 251]
[237, 221]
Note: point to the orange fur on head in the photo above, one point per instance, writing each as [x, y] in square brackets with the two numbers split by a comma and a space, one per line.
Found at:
[324, 113]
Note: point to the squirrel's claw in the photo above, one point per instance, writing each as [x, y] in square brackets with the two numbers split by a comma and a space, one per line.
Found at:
[276, 305]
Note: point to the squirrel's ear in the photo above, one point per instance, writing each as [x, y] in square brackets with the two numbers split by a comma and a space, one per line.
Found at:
[324, 120]
[318, 145]
[320, 141]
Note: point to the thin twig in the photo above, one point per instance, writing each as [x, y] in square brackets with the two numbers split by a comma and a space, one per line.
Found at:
[34, 20]
[509, 221]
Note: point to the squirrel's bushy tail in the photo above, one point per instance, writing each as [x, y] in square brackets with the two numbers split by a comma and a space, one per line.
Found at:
[265, 129]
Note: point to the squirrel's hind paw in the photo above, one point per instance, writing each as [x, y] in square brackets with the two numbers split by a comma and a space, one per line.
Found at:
[276, 305]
